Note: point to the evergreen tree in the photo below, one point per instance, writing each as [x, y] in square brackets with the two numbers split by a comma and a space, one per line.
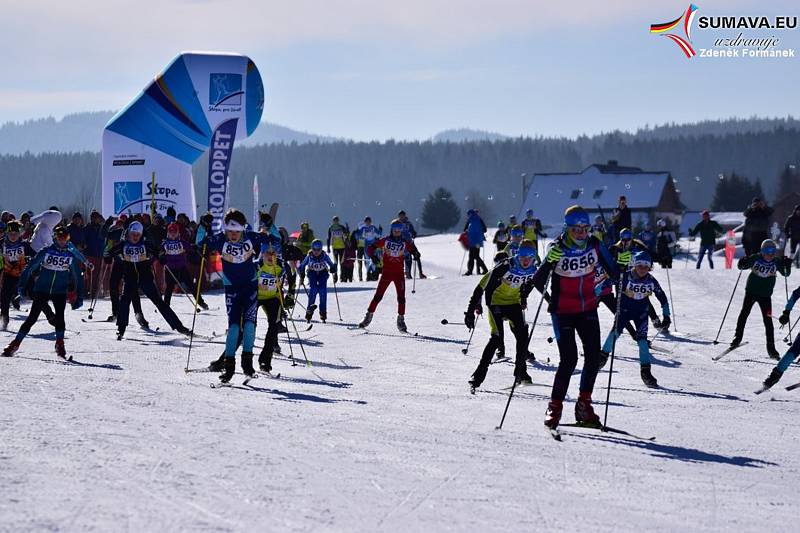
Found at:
[788, 181]
[735, 192]
[440, 212]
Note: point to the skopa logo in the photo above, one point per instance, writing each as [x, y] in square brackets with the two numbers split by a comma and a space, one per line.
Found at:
[126, 193]
[686, 21]
[225, 89]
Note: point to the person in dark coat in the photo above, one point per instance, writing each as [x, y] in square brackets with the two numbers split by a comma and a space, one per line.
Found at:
[621, 217]
[756, 226]
[791, 228]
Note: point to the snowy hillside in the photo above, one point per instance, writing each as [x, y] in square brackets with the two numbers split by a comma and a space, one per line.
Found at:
[381, 433]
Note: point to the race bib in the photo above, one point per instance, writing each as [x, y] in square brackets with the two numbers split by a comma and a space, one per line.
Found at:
[394, 249]
[237, 252]
[764, 270]
[134, 253]
[368, 235]
[14, 254]
[268, 282]
[502, 237]
[577, 263]
[639, 291]
[317, 266]
[59, 263]
[516, 280]
[173, 248]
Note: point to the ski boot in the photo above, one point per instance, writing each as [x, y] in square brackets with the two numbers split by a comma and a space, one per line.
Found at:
[60, 350]
[3, 323]
[203, 305]
[281, 328]
[602, 359]
[111, 318]
[367, 319]
[647, 377]
[422, 276]
[771, 380]
[247, 364]
[230, 368]
[12, 348]
[737, 340]
[141, 321]
[501, 352]
[553, 414]
[15, 302]
[265, 360]
[183, 330]
[401, 324]
[323, 315]
[310, 312]
[773, 353]
[217, 365]
[408, 275]
[523, 378]
[120, 333]
[584, 413]
[477, 377]
[531, 357]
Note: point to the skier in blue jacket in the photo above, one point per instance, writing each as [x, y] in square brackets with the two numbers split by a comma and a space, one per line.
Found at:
[318, 264]
[476, 229]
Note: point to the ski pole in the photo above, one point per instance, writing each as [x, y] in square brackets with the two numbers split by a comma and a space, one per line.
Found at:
[671, 303]
[539, 308]
[786, 285]
[463, 256]
[510, 395]
[613, 348]
[336, 294]
[286, 325]
[786, 338]
[103, 271]
[299, 340]
[197, 297]
[183, 289]
[728, 308]
[414, 278]
[688, 252]
[466, 349]
[446, 322]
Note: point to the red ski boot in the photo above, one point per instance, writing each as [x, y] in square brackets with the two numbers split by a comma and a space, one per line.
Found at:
[584, 414]
[60, 350]
[553, 415]
[12, 348]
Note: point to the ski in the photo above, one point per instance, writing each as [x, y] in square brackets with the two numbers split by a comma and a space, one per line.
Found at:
[793, 387]
[607, 429]
[248, 379]
[310, 325]
[727, 351]
[503, 359]
[765, 389]
[270, 374]
[555, 433]
[193, 370]
[519, 385]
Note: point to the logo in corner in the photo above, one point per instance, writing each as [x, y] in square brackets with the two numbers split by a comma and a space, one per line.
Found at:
[686, 18]
[225, 89]
[126, 193]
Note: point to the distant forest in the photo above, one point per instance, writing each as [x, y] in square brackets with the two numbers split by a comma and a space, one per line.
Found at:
[314, 181]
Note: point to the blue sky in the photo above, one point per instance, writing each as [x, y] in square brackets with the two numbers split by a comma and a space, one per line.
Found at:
[371, 70]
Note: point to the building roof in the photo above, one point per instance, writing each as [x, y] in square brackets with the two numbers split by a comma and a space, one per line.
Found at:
[550, 194]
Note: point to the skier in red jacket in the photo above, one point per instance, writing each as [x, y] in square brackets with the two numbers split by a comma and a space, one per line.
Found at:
[394, 248]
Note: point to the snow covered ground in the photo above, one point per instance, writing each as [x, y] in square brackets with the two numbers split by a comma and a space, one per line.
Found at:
[381, 434]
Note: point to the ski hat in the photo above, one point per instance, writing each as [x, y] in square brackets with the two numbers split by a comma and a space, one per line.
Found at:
[516, 231]
[335, 219]
[576, 216]
[368, 219]
[316, 244]
[768, 246]
[396, 224]
[60, 231]
[173, 228]
[642, 258]
[267, 248]
[526, 249]
[470, 212]
[661, 223]
[123, 217]
[135, 227]
[529, 213]
[626, 234]
[705, 213]
[13, 226]
[512, 217]
[501, 225]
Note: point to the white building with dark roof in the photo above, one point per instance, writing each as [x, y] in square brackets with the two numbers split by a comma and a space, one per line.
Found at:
[651, 194]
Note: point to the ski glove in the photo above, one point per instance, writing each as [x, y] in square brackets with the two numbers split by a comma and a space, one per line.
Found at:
[624, 258]
[598, 289]
[555, 254]
[469, 320]
[784, 318]
[77, 304]
[666, 322]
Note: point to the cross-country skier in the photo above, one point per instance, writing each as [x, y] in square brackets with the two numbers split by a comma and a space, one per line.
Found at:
[136, 255]
[305, 238]
[318, 264]
[114, 235]
[337, 233]
[506, 297]
[598, 229]
[623, 251]
[409, 233]
[394, 247]
[57, 266]
[604, 289]
[648, 237]
[238, 249]
[270, 283]
[533, 228]
[793, 351]
[709, 230]
[763, 267]
[637, 286]
[570, 263]
[173, 255]
[500, 236]
[517, 233]
[14, 257]
[475, 308]
[367, 234]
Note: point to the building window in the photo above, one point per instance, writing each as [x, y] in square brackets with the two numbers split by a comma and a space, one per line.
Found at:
[575, 194]
[597, 193]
